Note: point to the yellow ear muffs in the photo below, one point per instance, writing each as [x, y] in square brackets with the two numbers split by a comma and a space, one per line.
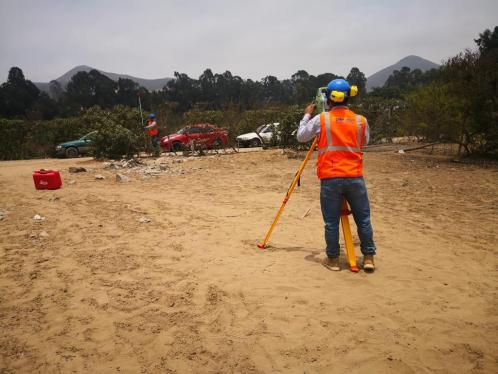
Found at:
[337, 96]
[353, 91]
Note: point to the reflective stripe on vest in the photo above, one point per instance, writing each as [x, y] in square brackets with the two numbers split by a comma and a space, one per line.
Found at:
[152, 131]
[340, 143]
[328, 132]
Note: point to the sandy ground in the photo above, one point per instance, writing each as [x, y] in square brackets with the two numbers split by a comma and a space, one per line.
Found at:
[190, 292]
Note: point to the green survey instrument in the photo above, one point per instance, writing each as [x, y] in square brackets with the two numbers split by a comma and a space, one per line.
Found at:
[321, 99]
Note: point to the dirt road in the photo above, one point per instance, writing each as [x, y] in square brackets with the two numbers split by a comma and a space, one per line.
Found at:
[95, 288]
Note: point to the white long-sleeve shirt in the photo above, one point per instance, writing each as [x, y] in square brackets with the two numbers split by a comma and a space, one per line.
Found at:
[310, 127]
[151, 125]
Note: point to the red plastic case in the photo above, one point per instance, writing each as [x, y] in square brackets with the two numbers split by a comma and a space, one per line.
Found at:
[47, 179]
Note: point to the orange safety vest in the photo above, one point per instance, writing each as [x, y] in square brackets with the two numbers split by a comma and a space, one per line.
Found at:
[152, 131]
[340, 143]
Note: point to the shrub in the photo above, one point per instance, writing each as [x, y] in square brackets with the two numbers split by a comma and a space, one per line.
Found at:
[114, 141]
[289, 123]
[21, 139]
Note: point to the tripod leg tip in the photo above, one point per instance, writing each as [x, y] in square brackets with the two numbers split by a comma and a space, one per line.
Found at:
[355, 269]
[261, 245]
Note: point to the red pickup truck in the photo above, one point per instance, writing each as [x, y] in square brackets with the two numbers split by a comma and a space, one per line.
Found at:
[209, 136]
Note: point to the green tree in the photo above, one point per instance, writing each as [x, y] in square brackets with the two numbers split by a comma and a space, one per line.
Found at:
[322, 80]
[207, 84]
[487, 41]
[18, 95]
[55, 90]
[303, 86]
[461, 103]
[182, 90]
[435, 114]
[272, 89]
[357, 78]
[128, 91]
[43, 108]
[93, 88]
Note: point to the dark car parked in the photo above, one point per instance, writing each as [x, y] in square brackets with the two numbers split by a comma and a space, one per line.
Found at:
[74, 148]
[210, 136]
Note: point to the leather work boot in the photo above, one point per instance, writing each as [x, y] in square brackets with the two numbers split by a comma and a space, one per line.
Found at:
[368, 263]
[332, 263]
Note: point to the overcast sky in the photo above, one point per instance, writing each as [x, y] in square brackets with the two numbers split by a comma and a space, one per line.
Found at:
[251, 38]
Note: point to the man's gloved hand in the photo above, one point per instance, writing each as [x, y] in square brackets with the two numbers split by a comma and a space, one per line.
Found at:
[309, 109]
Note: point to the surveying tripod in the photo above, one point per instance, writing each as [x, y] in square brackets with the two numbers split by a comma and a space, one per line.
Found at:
[345, 212]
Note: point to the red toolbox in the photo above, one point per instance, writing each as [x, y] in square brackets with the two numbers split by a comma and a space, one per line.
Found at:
[47, 179]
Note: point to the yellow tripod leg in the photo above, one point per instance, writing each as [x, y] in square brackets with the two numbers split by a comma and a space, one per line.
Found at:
[348, 238]
[262, 245]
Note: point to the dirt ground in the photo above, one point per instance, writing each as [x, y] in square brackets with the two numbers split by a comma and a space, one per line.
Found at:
[91, 289]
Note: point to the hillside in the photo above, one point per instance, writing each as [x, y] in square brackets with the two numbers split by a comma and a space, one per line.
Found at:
[150, 84]
[413, 62]
[375, 80]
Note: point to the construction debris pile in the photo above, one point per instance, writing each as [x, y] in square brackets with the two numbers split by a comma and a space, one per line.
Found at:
[136, 166]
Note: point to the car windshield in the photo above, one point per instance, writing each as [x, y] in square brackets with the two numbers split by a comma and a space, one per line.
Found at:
[87, 135]
[268, 128]
[182, 131]
[260, 128]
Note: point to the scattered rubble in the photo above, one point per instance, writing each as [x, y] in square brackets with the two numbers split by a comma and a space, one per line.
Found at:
[43, 234]
[99, 177]
[144, 220]
[122, 178]
[109, 165]
[145, 170]
[72, 181]
[136, 166]
[123, 164]
[77, 169]
[2, 215]
[37, 217]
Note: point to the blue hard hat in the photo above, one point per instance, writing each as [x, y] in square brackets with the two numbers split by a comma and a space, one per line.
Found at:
[340, 85]
[152, 116]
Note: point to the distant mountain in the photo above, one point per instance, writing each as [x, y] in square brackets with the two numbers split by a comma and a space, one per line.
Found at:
[413, 62]
[150, 84]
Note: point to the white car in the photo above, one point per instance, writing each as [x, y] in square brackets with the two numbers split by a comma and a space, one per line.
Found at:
[252, 139]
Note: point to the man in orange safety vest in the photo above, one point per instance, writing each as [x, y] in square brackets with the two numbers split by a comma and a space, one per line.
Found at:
[153, 132]
[342, 134]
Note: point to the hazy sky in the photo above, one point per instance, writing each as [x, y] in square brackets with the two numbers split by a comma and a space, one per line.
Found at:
[251, 38]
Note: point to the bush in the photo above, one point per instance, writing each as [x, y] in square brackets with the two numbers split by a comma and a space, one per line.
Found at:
[193, 117]
[21, 139]
[288, 127]
[383, 116]
[12, 134]
[113, 140]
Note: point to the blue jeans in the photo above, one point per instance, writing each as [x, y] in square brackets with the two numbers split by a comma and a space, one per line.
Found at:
[332, 193]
